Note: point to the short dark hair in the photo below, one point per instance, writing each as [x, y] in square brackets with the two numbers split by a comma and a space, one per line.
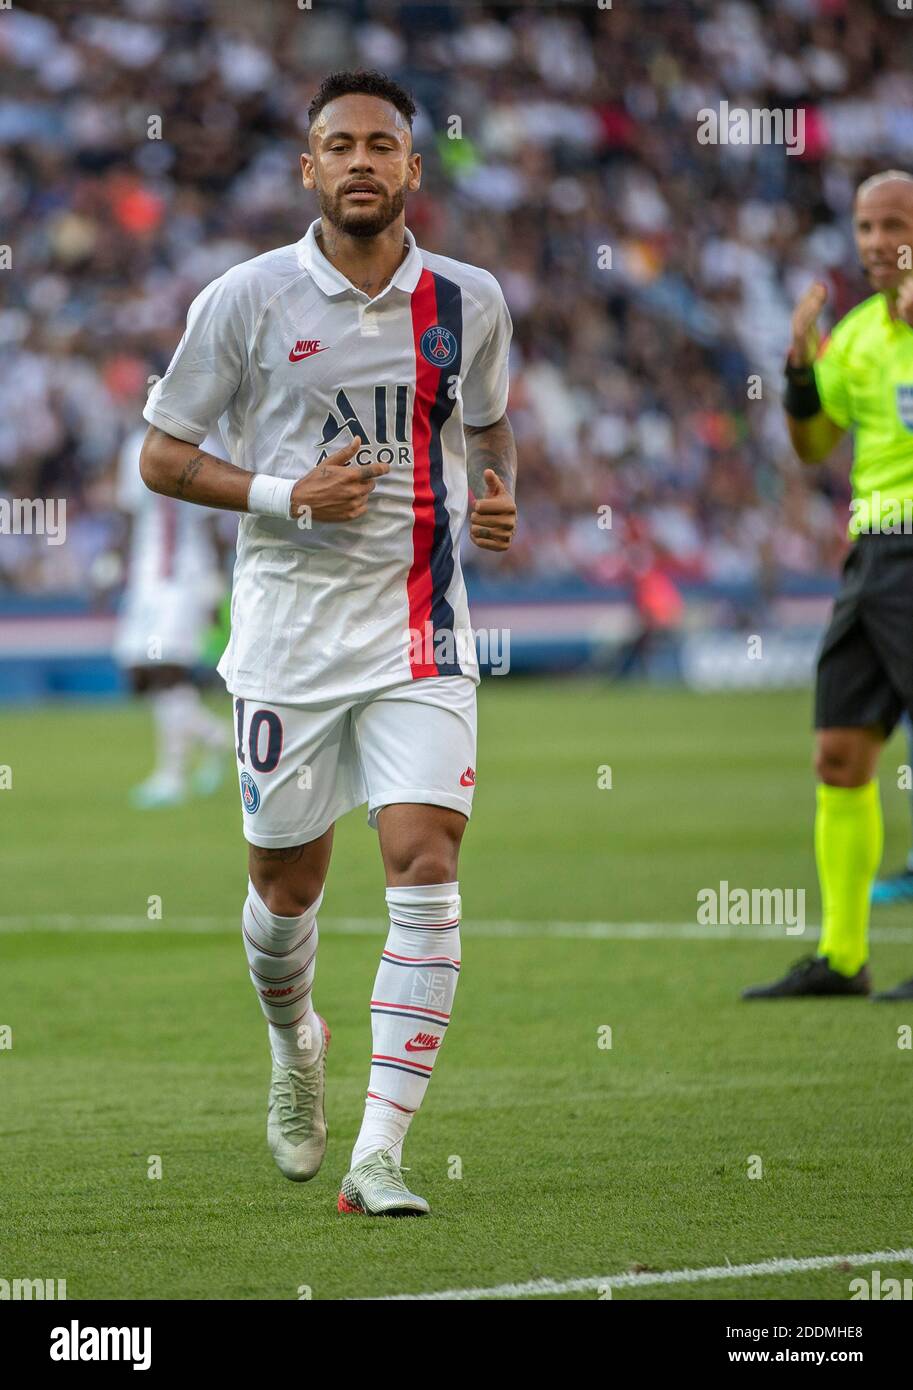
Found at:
[363, 82]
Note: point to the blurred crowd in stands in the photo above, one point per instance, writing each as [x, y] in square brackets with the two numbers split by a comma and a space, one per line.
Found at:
[148, 145]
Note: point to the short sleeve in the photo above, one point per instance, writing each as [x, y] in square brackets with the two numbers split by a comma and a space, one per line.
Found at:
[485, 385]
[215, 444]
[206, 370]
[830, 378]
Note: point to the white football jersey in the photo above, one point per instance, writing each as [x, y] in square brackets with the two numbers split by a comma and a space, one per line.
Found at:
[294, 361]
[170, 542]
[173, 580]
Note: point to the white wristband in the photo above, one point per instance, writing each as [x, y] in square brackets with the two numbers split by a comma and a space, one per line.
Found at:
[269, 496]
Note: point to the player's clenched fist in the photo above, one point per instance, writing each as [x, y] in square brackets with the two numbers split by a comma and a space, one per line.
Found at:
[494, 517]
[336, 490]
[805, 336]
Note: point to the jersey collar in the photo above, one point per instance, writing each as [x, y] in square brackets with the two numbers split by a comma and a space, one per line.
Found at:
[332, 282]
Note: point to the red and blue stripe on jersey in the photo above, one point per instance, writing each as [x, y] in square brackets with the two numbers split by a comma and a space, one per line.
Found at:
[435, 301]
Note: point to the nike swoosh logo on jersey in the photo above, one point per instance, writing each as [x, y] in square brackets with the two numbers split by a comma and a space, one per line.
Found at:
[423, 1042]
[305, 347]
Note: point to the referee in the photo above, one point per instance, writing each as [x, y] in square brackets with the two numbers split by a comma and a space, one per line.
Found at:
[861, 380]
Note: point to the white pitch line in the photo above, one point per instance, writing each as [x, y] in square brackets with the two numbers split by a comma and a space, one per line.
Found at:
[359, 926]
[543, 1287]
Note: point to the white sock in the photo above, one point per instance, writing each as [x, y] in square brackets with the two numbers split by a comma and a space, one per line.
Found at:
[282, 955]
[172, 711]
[410, 1010]
[208, 729]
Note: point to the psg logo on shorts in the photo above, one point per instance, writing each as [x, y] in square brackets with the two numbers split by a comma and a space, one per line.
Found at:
[439, 346]
[250, 795]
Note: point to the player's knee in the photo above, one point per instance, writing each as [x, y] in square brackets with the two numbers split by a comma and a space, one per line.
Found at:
[423, 863]
[421, 844]
[289, 899]
[842, 762]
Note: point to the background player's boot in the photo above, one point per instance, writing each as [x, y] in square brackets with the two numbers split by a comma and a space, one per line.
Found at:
[896, 889]
[211, 773]
[296, 1127]
[897, 995]
[812, 976]
[375, 1187]
[159, 790]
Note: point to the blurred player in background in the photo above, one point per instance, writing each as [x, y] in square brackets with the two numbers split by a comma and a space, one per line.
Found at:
[861, 380]
[173, 583]
[361, 385]
[898, 888]
[657, 603]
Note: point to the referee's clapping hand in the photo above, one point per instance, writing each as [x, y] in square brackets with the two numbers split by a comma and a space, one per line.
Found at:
[905, 301]
[805, 336]
[335, 492]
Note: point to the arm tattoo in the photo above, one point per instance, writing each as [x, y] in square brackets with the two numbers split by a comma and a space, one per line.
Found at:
[188, 473]
[491, 446]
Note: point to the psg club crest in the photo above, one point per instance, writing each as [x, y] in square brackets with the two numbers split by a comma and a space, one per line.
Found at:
[905, 405]
[250, 794]
[438, 346]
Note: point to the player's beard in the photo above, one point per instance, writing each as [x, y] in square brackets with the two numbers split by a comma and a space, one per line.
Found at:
[362, 222]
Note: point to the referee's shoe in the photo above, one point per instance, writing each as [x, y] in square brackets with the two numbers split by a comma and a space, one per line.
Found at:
[813, 977]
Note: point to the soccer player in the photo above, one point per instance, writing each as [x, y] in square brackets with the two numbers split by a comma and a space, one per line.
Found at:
[861, 380]
[898, 888]
[361, 385]
[173, 580]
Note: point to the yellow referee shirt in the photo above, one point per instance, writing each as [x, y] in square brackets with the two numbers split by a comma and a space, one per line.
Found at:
[864, 374]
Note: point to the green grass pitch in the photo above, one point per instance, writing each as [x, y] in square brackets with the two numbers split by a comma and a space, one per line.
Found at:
[576, 1161]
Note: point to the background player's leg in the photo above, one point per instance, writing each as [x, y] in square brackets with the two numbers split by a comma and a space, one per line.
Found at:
[898, 888]
[908, 732]
[416, 980]
[211, 737]
[173, 700]
[186, 727]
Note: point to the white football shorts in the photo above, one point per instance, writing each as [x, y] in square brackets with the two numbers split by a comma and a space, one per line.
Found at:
[162, 625]
[301, 768]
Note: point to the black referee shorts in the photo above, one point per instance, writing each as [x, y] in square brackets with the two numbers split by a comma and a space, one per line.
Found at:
[865, 667]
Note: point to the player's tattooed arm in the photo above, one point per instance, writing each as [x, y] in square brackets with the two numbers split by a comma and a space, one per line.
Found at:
[491, 446]
[178, 469]
[491, 464]
[188, 473]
